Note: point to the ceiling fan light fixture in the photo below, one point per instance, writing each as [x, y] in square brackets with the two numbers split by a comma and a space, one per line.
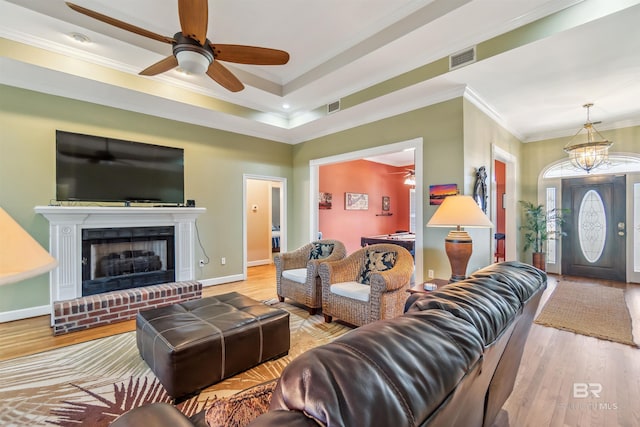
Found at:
[192, 51]
[80, 38]
[410, 180]
[192, 62]
[591, 154]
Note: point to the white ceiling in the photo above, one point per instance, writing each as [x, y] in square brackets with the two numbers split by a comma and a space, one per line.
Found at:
[338, 48]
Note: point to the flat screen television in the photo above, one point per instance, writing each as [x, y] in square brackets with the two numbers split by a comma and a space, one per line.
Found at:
[99, 169]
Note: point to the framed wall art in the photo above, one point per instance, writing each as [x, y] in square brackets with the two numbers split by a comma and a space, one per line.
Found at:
[386, 203]
[356, 201]
[437, 193]
[324, 200]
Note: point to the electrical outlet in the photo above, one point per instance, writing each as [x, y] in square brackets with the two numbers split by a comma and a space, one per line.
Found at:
[201, 263]
[223, 260]
[430, 274]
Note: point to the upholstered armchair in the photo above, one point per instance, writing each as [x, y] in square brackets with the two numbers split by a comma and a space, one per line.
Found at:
[368, 285]
[297, 271]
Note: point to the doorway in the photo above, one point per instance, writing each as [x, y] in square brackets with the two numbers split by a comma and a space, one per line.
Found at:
[500, 173]
[414, 144]
[504, 202]
[595, 244]
[264, 222]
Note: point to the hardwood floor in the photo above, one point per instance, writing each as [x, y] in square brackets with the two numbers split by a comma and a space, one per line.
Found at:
[555, 360]
[34, 335]
[552, 363]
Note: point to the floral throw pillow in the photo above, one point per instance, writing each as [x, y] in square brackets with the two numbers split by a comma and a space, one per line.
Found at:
[321, 250]
[376, 261]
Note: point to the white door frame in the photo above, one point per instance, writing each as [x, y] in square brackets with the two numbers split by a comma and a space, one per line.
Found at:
[413, 144]
[283, 214]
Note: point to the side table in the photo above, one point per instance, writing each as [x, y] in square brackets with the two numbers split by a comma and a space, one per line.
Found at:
[420, 288]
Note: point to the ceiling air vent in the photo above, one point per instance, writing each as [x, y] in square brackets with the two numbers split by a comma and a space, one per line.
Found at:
[333, 107]
[462, 58]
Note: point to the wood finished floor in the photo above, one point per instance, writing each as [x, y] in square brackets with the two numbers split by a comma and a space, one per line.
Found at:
[553, 361]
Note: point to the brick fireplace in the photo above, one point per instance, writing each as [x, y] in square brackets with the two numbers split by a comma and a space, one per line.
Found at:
[107, 253]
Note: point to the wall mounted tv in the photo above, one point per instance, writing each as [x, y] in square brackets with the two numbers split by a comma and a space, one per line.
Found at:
[98, 169]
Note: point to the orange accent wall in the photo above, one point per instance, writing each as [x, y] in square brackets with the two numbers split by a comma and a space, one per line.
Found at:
[374, 179]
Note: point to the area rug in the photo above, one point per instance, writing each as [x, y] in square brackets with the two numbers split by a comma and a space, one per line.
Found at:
[587, 309]
[90, 384]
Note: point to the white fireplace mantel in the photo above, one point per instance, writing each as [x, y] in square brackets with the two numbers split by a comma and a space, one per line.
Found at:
[65, 238]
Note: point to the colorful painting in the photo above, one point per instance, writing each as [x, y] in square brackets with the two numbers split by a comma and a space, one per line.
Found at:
[437, 193]
[324, 200]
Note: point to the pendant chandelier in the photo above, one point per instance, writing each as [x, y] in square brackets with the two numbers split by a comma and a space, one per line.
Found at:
[592, 153]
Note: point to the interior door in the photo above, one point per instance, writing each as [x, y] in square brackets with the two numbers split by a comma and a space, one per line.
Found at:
[595, 244]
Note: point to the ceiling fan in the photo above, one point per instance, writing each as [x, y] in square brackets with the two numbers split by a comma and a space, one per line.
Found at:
[192, 51]
[409, 176]
[407, 172]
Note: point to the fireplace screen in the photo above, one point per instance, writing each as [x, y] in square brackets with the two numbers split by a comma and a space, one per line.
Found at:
[116, 259]
[122, 258]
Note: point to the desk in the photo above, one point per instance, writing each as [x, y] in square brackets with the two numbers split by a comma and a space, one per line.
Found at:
[406, 240]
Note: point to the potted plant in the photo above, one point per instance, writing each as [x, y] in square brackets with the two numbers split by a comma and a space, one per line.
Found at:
[537, 230]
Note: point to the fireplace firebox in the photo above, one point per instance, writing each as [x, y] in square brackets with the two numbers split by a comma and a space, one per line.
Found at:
[126, 257]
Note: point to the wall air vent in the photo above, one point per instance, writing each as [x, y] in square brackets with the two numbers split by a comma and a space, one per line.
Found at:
[333, 107]
[462, 58]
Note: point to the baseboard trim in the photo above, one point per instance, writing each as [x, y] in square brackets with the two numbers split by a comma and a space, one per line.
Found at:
[259, 262]
[222, 280]
[25, 313]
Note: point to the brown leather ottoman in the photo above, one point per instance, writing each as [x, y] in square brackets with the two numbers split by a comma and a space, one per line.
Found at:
[194, 344]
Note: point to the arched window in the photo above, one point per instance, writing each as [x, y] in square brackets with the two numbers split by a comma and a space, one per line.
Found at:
[618, 163]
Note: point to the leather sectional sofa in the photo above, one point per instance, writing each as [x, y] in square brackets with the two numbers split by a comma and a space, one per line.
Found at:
[450, 360]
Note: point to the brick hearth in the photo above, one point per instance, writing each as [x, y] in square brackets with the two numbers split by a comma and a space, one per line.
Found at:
[103, 309]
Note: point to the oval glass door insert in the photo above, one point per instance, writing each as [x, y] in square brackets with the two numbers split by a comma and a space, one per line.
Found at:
[592, 226]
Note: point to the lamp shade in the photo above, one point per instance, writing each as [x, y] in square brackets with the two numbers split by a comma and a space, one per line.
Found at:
[21, 257]
[459, 211]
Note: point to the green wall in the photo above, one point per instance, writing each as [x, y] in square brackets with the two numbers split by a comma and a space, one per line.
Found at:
[215, 162]
[481, 133]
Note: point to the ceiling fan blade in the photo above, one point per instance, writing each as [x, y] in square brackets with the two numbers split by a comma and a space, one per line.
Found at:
[249, 54]
[194, 17]
[120, 24]
[224, 77]
[160, 67]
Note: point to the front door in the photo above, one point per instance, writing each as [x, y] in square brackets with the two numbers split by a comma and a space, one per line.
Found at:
[595, 225]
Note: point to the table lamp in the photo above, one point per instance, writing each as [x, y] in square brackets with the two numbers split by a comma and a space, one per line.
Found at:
[459, 211]
[21, 257]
